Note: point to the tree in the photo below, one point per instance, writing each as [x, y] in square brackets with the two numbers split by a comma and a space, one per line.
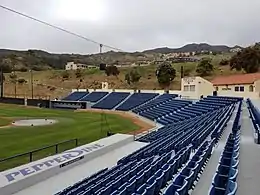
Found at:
[23, 69]
[5, 66]
[248, 60]
[165, 74]
[112, 70]
[204, 67]
[78, 73]
[1, 78]
[224, 62]
[133, 76]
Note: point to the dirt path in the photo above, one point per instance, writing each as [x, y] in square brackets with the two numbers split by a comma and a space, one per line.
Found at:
[142, 124]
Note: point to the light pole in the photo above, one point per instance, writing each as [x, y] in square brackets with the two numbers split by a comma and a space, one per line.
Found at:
[2, 82]
[15, 82]
[31, 82]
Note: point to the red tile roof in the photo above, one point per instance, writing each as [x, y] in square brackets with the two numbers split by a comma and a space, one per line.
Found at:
[236, 79]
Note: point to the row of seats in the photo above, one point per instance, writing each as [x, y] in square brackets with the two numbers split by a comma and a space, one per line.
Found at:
[112, 100]
[255, 118]
[75, 96]
[193, 124]
[203, 106]
[153, 169]
[161, 110]
[94, 96]
[85, 96]
[164, 98]
[184, 180]
[135, 100]
[224, 180]
[169, 164]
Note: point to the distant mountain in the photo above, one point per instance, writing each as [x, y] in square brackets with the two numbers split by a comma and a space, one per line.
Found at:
[42, 60]
[192, 48]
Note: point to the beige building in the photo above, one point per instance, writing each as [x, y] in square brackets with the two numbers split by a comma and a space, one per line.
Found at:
[246, 85]
[76, 66]
[195, 87]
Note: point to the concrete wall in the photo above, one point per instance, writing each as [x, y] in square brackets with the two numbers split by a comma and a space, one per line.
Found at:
[130, 91]
[22, 177]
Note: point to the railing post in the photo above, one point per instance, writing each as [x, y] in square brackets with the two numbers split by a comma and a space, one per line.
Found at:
[57, 148]
[31, 159]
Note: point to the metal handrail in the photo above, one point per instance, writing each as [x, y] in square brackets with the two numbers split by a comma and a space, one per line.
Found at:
[39, 149]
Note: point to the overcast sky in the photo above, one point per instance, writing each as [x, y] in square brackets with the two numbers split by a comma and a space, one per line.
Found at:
[129, 24]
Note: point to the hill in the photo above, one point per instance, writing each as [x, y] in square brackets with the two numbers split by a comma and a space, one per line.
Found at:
[52, 83]
[193, 48]
[42, 60]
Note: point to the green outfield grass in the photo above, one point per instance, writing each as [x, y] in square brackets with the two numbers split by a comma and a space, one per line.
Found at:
[85, 126]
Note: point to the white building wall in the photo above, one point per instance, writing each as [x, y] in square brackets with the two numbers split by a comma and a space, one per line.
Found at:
[71, 66]
[195, 87]
[230, 91]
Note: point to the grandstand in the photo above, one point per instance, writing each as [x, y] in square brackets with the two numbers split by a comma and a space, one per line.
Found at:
[199, 147]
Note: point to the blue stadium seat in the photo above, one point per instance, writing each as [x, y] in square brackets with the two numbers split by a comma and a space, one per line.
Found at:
[75, 96]
[112, 100]
[135, 100]
[94, 96]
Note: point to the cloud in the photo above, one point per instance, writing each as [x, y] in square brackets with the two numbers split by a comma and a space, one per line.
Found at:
[129, 25]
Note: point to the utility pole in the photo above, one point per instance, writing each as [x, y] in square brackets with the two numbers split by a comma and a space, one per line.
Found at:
[2, 82]
[100, 48]
[15, 81]
[32, 82]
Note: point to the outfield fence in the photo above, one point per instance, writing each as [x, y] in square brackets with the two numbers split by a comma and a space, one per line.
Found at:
[37, 154]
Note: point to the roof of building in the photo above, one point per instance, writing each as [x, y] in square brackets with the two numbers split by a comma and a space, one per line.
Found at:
[236, 79]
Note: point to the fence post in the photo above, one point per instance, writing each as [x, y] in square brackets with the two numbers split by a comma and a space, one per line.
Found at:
[31, 159]
[56, 146]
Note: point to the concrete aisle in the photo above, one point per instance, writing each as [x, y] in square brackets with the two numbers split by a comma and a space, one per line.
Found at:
[249, 167]
[204, 183]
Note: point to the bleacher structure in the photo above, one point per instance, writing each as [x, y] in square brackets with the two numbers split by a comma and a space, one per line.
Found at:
[176, 153]
[174, 156]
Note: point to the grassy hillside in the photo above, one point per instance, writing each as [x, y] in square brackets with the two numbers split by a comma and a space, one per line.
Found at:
[51, 82]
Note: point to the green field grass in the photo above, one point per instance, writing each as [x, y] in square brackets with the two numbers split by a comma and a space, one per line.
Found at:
[85, 126]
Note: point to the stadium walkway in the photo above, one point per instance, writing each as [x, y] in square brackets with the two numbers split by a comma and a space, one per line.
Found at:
[75, 174]
[249, 172]
[204, 183]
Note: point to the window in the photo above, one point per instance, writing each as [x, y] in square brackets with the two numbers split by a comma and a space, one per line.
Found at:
[236, 88]
[186, 87]
[242, 88]
[251, 88]
[192, 87]
[216, 88]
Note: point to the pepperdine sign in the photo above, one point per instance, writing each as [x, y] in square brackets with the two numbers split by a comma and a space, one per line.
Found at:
[61, 160]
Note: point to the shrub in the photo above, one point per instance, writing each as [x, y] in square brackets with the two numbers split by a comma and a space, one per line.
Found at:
[13, 76]
[65, 74]
[112, 70]
[23, 69]
[21, 81]
[78, 73]
[224, 62]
